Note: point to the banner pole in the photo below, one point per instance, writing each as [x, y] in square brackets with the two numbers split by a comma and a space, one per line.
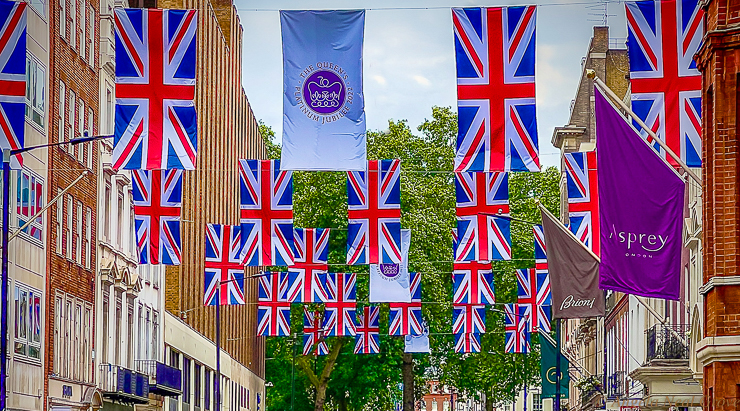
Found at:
[557, 365]
[592, 74]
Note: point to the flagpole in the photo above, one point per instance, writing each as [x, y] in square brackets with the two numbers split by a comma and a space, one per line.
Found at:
[557, 365]
[217, 393]
[592, 75]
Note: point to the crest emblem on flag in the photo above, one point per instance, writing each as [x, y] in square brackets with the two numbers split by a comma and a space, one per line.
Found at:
[662, 38]
[467, 343]
[515, 326]
[367, 340]
[157, 198]
[273, 313]
[313, 334]
[405, 318]
[155, 121]
[224, 272]
[308, 273]
[266, 207]
[339, 314]
[13, 20]
[583, 198]
[495, 55]
[374, 210]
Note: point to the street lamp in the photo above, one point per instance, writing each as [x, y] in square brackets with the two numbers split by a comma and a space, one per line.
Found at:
[7, 153]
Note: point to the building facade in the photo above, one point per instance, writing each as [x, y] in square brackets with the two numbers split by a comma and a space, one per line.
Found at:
[718, 351]
[72, 220]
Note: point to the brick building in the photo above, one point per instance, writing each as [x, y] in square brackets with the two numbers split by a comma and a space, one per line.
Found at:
[71, 257]
[719, 351]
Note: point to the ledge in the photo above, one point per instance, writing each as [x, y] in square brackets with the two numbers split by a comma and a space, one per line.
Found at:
[719, 281]
[714, 349]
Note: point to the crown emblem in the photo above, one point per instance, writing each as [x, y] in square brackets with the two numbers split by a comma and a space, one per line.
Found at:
[324, 94]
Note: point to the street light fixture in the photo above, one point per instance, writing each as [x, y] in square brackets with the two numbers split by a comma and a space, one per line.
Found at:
[7, 153]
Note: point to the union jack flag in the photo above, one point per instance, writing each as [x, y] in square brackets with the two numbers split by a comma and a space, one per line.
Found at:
[467, 343]
[157, 196]
[367, 340]
[483, 238]
[339, 319]
[155, 124]
[273, 312]
[534, 294]
[497, 122]
[472, 283]
[515, 326]
[266, 208]
[540, 251]
[13, 18]
[308, 273]
[662, 38]
[224, 271]
[480, 196]
[405, 318]
[583, 197]
[374, 210]
[468, 318]
[313, 334]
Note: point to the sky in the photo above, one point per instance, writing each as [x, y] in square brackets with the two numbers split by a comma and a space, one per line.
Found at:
[409, 57]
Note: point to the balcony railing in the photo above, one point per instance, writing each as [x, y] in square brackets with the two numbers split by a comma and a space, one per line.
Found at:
[663, 344]
[163, 379]
[123, 385]
[616, 385]
[591, 388]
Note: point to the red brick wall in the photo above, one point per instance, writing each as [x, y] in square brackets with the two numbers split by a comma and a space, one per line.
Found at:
[719, 63]
[65, 64]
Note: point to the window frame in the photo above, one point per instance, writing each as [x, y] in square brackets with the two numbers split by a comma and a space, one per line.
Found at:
[34, 182]
[35, 68]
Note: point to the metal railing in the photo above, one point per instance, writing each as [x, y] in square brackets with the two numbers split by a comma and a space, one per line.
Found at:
[616, 385]
[662, 343]
[124, 385]
[163, 379]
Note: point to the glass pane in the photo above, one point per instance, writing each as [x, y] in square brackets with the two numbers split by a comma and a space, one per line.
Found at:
[34, 352]
[20, 348]
[23, 319]
[17, 310]
[36, 316]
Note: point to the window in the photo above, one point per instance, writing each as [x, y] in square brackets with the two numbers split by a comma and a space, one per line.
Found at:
[72, 25]
[536, 402]
[142, 342]
[91, 49]
[185, 380]
[119, 210]
[207, 390]
[68, 229]
[83, 29]
[155, 335]
[106, 217]
[79, 149]
[91, 144]
[106, 326]
[35, 87]
[76, 348]
[60, 217]
[67, 342]
[132, 234]
[29, 202]
[62, 101]
[434, 405]
[63, 21]
[148, 328]
[109, 110]
[58, 343]
[117, 341]
[196, 385]
[78, 237]
[130, 335]
[88, 237]
[39, 6]
[86, 347]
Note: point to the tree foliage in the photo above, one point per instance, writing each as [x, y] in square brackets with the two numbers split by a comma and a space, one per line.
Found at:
[371, 382]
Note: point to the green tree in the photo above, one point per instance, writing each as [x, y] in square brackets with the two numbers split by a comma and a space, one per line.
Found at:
[356, 382]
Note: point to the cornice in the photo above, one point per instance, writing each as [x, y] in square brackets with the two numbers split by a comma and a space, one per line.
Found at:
[717, 282]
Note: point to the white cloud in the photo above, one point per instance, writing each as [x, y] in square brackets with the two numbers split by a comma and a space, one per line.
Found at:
[380, 80]
[421, 80]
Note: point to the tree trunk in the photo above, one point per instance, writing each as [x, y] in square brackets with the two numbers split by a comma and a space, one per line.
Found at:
[342, 404]
[407, 372]
[320, 397]
[489, 400]
[321, 381]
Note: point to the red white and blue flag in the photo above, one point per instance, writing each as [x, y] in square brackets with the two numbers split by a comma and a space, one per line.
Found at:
[367, 340]
[308, 273]
[515, 326]
[540, 251]
[313, 334]
[155, 122]
[662, 38]
[497, 121]
[374, 211]
[157, 198]
[468, 318]
[339, 317]
[467, 343]
[13, 18]
[583, 197]
[273, 312]
[266, 213]
[405, 318]
[472, 283]
[224, 271]
[535, 296]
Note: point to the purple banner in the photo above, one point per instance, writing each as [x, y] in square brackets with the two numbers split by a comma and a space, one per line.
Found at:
[641, 202]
